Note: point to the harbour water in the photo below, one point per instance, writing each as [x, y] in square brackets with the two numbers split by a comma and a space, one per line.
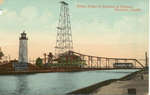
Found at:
[55, 83]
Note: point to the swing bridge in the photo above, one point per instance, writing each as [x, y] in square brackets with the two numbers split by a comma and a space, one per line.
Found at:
[106, 62]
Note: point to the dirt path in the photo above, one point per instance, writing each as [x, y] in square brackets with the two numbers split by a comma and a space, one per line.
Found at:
[138, 85]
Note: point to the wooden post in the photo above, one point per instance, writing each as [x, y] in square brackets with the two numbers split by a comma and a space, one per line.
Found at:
[71, 59]
[67, 59]
[44, 58]
[146, 61]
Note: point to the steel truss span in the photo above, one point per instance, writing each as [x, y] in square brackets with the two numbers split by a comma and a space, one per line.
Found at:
[106, 62]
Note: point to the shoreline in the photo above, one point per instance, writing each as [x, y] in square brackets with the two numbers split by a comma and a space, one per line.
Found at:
[51, 71]
[90, 89]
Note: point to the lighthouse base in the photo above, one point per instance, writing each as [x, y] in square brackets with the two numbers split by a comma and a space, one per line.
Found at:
[21, 66]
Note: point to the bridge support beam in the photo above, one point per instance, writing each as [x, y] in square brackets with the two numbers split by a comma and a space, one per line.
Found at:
[91, 61]
[108, 63]
[97, 61]
[100, 62]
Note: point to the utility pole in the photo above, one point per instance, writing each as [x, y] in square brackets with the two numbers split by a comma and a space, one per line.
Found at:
[64, 41]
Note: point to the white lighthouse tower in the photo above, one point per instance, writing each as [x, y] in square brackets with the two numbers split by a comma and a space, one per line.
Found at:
[23, 48]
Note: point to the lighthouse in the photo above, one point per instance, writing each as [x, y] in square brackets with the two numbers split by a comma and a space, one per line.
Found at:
[22, 63]
[23, 48]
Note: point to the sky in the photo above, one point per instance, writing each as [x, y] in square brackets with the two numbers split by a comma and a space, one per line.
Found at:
[96, 31]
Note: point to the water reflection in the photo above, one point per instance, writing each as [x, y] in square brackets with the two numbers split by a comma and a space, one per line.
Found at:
[68, 80]
[21, 85]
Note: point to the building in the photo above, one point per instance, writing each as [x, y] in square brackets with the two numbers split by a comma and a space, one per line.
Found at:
[123, 65]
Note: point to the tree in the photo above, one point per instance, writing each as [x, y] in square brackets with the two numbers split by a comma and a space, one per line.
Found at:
[39, 61]
[1, 55]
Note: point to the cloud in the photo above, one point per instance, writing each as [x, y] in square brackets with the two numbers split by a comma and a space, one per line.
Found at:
[29, 13]
[31, 17]
[1, 12]
[28, 18]
[128, 29]
[132, 29]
